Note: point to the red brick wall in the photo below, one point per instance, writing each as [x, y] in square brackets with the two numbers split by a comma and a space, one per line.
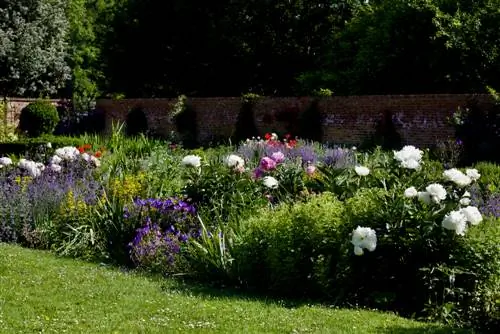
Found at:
[420, 119]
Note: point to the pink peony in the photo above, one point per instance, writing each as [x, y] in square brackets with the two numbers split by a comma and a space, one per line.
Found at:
[267, 164]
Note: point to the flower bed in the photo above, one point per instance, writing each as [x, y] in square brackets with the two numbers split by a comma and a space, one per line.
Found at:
[391, 230]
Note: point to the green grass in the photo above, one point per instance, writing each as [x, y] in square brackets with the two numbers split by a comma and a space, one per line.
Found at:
[40, 292]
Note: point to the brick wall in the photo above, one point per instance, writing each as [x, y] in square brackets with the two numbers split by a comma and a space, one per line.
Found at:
[419, 119]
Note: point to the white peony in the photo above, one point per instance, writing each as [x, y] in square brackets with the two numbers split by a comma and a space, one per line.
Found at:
[67, 153]
[234, 161]
[34, 169]
[464, 201]
[457, 177]
[411, 192]
[361, 170]
[364, 237]
[409, 156]
[455, 221]
[56, 160]
[270, 182]
[472, 214]
[85, 156]
[95, 161]
[436, 192]
[55, 168]
[473, 174]
[191, 161]
[5, 161]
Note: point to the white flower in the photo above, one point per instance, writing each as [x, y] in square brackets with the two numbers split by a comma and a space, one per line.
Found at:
[274, 136]
[40, 166]
[358, 251]
[436, 192]
[31, 167]
[361, 170]
[425, 197]
[364, 237]
[455, 221]
[85, 156]
[67, 153]
[55, 168]
[466, 194]
[473, 174]
[270, 182]
[5, 161]
[472, 215]
[191, 161]
[95, 161]
[411, 192]
[409, 156]
[55, 160]
[234, 161]
[49, 145]
[464, 201]
[457, 177]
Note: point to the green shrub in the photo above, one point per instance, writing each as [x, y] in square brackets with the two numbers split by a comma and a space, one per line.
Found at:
[472, 295]
[38, 118]
[490, 177]
[31, 147]
[292, 249]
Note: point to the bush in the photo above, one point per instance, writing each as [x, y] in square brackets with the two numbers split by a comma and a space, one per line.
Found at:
[292, 249]
[30, 147]
[38, 118]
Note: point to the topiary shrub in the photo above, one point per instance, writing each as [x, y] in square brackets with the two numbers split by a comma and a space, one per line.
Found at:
[38, 118]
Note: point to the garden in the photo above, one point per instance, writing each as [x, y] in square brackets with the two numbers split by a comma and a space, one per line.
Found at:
[282, 217]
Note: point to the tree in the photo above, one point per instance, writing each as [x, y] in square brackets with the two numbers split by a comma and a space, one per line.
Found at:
[33, 47]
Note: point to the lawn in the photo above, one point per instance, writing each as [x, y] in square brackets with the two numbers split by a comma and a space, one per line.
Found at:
[40, 292]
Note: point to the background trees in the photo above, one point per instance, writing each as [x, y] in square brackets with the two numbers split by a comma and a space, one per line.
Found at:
[163, 48]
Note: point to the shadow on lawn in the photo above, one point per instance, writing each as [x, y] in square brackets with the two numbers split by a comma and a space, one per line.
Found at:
[194, 288]
[429, 329]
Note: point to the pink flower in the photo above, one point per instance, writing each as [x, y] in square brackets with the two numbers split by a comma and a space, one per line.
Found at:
[279, 157]
[310, 170]
[267, 163]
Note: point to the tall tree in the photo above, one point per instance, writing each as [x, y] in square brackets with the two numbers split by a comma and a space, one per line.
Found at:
[33, 47]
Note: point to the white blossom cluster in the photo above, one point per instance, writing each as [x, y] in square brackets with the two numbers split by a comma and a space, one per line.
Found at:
[364, 238]
[459, 178]
[409, 157]
[5, 161]
[236, 162]
[34, 169]
[270, 182]
[457, 220]
[191, 161]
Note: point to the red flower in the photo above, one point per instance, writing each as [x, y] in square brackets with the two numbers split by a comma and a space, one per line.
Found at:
[287, 136]
[98, 154]
[80, 149]
[267, 136]
[87, 147]
[292, 143]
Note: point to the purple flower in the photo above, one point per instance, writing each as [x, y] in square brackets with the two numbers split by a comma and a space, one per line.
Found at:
[258, 173]
[279, 157]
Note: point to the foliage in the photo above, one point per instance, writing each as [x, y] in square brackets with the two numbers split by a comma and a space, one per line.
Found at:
[477, 126]
[34, 47]
[245, 124]
[291, 249]
[38, 118]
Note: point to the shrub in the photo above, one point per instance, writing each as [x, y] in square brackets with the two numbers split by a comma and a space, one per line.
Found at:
[38, 118]
[290, 250]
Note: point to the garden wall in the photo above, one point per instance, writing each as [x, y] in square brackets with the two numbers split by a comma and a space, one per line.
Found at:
[14, 107]
[419, 119]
